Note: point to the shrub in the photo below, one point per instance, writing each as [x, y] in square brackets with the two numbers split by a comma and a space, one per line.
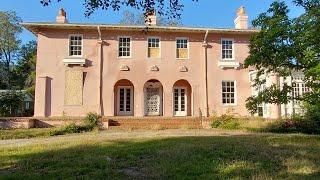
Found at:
[90, 122]
[226, 122]
[294, 125]
[92, 119]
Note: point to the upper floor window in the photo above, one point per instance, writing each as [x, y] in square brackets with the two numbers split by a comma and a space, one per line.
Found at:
[153, 47]
[228, 92]
[182, 48]
[75, 45]
[124, 47]
[227, 49]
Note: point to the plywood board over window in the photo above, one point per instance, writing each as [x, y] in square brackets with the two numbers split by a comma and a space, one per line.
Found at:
[153, 47]
[73, 87]
[182, 48]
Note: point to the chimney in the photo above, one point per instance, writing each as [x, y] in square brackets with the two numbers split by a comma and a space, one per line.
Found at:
[151, 18]
[62, 16]
[241, 22]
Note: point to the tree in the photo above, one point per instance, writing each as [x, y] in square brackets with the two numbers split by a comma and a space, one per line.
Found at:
[9, 44]
[285, 45]
[26, 66]
[168, 8]
[130, 18]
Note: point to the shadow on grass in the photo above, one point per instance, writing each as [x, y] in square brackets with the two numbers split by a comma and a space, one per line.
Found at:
[250, 156]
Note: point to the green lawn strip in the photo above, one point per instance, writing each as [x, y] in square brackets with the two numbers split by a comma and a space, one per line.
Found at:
[93, 156]
[24, 133]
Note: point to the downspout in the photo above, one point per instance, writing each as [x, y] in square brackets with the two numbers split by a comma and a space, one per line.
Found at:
[100, 43]
[205, 45]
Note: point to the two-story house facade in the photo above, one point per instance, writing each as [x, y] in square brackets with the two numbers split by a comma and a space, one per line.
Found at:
[141, 70]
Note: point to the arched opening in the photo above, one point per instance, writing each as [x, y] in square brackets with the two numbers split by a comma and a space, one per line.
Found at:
[182, 98]
[123, 98]
[153, 95]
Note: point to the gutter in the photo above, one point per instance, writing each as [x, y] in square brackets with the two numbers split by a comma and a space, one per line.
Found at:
[205, 45]
[100, 51]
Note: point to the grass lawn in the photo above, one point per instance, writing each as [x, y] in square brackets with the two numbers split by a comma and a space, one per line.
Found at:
[24, 133]
[101, 155]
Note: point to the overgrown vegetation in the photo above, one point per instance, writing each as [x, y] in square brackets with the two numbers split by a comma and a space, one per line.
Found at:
[293, 125]
[296, 124]
[226, 122]
[24, 133]
[91, 121]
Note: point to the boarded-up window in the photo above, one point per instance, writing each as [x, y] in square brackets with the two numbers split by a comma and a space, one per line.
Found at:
[73, 87]
[153, 47]
[182, 48]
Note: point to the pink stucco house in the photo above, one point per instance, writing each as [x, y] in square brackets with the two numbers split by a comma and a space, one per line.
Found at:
[142, 70]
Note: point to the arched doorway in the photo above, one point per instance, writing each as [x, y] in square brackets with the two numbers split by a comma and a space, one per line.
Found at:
[182, 98]
[123, 98]
[153, 95]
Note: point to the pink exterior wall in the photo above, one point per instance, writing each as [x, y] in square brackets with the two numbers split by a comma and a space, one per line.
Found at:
[53, 48]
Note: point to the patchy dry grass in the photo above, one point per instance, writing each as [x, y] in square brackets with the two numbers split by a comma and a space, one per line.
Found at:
[95, 155]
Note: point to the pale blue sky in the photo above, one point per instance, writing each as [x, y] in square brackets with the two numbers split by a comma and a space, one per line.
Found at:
[204, 13]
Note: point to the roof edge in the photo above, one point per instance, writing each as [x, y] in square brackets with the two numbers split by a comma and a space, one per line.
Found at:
[35, 26]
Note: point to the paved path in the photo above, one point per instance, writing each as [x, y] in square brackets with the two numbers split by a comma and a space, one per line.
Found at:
[122, 134]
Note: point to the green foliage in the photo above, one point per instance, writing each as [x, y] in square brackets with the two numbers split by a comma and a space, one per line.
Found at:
[285, 45]
[92, 119]
[26, 66]
[90, 122]
[11, 103]
[313, 113]
[72, 128]
[226, 122]
[9, 44]
[130, 18]
[171, 8]
[294, 125]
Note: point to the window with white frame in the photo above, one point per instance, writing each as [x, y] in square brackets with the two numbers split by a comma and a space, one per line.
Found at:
[182, 48]
[228, 92]
[299, 89]
[124, 47]
[227, 49]
[153, 47]
[75, 45]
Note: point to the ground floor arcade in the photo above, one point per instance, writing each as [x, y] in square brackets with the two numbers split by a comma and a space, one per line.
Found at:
[153, 97]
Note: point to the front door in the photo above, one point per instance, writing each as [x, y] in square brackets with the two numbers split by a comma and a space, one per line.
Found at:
[153, 101]
[125, 101]
[180, 101]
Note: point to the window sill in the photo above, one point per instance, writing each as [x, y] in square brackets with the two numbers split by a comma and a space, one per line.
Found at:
[229, 105]
[153, 58]
[73, 60]
[182, 58]
[124, 57]
[228, 64]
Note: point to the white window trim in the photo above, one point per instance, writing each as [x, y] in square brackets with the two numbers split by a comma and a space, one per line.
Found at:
[69, 37]
[186, 99]
[124, 57]
[188, 44]
[235, 93]
[233, 49]
[154, 37]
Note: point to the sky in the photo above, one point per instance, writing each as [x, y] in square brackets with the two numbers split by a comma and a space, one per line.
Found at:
[204, 13]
